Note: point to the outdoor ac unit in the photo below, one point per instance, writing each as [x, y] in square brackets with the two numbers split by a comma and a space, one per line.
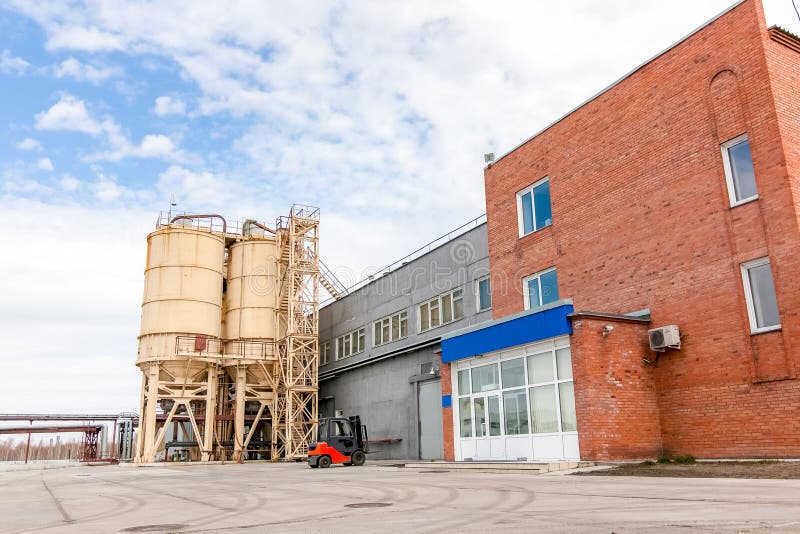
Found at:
[664, 338]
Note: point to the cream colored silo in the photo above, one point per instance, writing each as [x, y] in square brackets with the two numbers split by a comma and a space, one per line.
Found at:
[249, 331]
[179, 343]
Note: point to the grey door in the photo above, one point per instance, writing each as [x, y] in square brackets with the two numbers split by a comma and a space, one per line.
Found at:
[430, 420]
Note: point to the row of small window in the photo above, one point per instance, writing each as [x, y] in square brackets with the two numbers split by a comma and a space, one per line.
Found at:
[534, 210]
[541, 368]
[440, 310]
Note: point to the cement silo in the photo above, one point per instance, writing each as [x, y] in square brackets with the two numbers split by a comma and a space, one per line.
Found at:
[179, 342]
[250, 358]
[228, 340]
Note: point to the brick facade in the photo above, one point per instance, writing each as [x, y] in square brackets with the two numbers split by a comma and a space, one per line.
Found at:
[642, 219]
[615, 391]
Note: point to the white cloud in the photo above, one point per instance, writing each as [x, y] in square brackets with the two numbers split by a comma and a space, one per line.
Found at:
[151, 146]
[29, 144]
[72, 68]
[10, 64]
[156, 146]
[44, 164]
[69, 183]
[68, 114]
[197, 189]
[91, 39]
[166, 105]
[108, 190]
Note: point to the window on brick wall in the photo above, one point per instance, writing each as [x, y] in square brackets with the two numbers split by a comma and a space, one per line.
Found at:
[759, 292]
[739, 172]
[540, 289]
[441, 310]
[390, 328]
[349, 344]
[533, 207]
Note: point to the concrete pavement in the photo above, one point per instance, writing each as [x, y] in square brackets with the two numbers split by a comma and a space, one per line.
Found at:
[260, 497]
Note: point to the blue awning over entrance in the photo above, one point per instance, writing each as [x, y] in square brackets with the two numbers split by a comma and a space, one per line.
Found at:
[518, 329]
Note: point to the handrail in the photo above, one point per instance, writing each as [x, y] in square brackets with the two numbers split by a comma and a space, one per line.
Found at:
[327, 273]
[203, 216]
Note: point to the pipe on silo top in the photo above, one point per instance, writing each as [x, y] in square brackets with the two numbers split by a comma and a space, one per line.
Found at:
[203, 216]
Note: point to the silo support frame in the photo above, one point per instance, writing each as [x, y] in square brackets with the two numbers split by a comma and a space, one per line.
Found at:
[137, 455]
[181, 393]
[211, 408]
[238, 410]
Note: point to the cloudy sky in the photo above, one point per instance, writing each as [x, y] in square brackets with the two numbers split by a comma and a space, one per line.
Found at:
[377, 112]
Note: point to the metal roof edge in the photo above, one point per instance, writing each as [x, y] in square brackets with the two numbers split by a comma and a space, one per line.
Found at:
[643, 319]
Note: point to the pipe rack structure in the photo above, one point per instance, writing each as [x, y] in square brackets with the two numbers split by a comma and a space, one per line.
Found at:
[229, 339]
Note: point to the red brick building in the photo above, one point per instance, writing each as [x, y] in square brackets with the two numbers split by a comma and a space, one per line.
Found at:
[675, 194]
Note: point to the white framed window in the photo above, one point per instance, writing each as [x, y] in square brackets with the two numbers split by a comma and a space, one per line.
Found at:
[739, 173]
[759, 293]
[441, 310]
[483, 293]
[390, 328]
[533, 207]
[540, 289]
[349, 344]
[325, 353]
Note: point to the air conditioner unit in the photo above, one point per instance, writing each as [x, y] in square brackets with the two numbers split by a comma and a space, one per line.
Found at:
[666, 337]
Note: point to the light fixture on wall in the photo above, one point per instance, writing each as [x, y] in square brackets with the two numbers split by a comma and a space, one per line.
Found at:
[607, 330]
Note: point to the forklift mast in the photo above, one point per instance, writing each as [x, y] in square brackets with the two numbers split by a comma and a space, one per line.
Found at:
[360, 432]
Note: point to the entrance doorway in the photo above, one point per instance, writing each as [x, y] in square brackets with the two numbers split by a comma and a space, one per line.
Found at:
[489, 443]
[431, 444]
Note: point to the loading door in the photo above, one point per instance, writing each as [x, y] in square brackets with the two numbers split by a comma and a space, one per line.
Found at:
[430, 420]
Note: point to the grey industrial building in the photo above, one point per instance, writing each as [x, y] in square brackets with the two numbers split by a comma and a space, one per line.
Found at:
[380, 344]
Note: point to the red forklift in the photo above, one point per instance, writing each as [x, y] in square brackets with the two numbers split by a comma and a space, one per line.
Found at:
[340, 440]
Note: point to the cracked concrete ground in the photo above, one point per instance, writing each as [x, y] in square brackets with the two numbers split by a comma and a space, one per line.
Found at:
[261, 497]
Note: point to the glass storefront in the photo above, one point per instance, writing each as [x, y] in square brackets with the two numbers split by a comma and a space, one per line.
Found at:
[517, 404]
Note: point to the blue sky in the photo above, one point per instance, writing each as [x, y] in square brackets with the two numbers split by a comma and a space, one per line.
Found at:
[379, 113]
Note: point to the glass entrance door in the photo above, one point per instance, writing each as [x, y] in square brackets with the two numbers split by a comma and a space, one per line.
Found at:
[488, 427]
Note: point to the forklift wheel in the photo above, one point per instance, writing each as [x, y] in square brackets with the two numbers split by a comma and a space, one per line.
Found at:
[358, 458]
[324, 461]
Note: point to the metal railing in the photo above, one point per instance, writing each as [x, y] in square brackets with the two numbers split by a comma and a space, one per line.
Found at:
[198, 345]
[421, 251]
[240, 348]
[190, 220]
[327, 277]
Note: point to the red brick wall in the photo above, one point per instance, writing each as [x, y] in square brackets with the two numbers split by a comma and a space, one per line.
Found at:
[447, 414]
[642, 219]
[615, 392]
